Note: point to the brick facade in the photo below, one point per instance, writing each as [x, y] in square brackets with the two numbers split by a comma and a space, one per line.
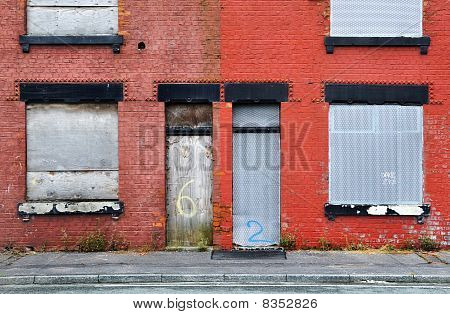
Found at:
[223, 41]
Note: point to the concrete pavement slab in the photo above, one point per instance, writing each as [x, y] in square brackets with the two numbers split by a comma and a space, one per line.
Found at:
[339, 258]
[4, 258]
[319, 278]
[408, 259]
[444, 256]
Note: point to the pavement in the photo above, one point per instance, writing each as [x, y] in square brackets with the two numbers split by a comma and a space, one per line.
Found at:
[300, 267]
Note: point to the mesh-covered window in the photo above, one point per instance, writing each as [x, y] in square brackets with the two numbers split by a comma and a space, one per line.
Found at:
[256, 174]
[376, 154]
[250, 115]
[72, 152]
[376, 18]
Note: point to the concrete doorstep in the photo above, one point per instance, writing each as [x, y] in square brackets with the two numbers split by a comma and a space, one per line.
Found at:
[224, 278]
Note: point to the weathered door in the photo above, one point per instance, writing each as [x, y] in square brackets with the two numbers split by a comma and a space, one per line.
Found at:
[189, 174]
[256, 175]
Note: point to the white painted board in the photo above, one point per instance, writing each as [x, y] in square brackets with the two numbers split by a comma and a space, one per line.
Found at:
[78, 185]
[73, 3]
[72, 21]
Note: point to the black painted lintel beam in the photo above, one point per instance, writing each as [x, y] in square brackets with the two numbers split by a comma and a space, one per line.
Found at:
[376, 94]
[188, 93]
[71, 92]
[256, 92]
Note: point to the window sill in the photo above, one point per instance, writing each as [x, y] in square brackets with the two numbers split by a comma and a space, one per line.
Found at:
[28, 209]
[114, 40]
[419, 211]
[422, 42]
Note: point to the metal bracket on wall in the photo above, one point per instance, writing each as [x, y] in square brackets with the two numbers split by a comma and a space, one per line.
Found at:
[422, 42]
[25, 217]
[115, 41]
[418, 211]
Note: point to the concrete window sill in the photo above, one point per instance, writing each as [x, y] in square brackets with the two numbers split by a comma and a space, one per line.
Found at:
[115, 41]
[28, 209]
[419, 211]
[422, 42]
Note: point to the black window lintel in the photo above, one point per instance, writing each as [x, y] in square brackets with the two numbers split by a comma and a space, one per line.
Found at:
[71, 93]
[376, 94]
[256, 92]
[422, 42]
[189, 93]
[115, 41]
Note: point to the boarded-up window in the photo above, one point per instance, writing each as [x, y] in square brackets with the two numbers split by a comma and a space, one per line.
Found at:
[72, 151]
[376, 154]
[376, 18]
[72, 17]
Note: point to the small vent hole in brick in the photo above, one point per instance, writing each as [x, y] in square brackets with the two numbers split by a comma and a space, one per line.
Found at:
[141, 46]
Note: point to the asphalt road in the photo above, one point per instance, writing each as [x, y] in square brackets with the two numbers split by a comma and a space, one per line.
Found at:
[225, 289]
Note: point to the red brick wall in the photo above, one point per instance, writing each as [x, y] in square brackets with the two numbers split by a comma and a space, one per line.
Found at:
[227, 40]
[283, 40]
[182, 43]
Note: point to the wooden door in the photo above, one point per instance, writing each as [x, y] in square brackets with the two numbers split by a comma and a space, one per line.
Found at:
[189, 175]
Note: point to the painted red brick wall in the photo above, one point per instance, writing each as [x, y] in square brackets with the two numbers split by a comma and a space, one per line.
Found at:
[227, 40]
[283, 40]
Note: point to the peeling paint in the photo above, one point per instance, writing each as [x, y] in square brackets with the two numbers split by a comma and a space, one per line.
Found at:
[395, 210]
[70, 208]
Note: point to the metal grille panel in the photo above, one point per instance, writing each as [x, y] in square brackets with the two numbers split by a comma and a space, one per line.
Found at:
[383, 164]
[380, 18]
[250, 115]
[256, 189]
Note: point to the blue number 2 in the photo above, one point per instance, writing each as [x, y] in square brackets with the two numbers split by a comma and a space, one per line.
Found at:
[257, 233]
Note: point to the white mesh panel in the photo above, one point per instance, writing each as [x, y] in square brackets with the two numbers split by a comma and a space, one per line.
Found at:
[376, 18]
[261, 115]
[379, 164]
[256, 189]
[256, 176]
